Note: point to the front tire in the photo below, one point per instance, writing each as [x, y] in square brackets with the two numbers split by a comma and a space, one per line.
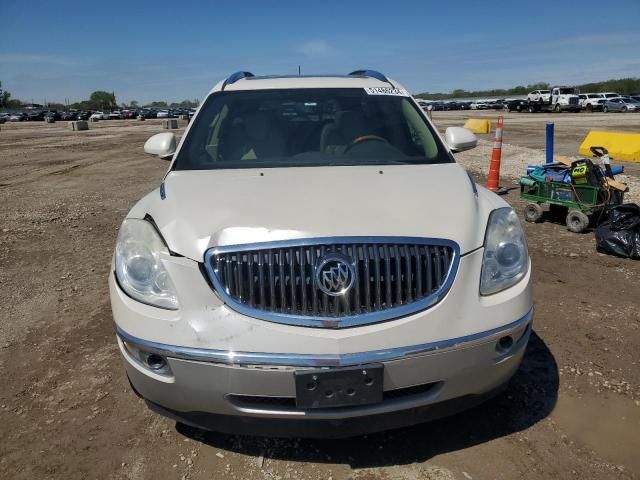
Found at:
[624, 109]
[577, 221]
[533, 212]
[557, 108]
[589, 108]
[605, 109]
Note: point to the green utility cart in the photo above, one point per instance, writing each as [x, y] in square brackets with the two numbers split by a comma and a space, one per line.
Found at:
[577, 202]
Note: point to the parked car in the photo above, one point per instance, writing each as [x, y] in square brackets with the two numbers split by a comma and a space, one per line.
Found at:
[539, 96]
[232, 310]
[35, 115]
[115, 115]
[465, 105]
[18, 117]
[162, 114]
[517, 105]
[83, 115]
[69, 116]
[100, 115]
[479, 105]
[3, 118]
[607, 95]
[53, 113]
[128, 114]
[620, 104]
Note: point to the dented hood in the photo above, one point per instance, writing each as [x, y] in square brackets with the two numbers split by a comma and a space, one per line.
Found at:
[202, 209]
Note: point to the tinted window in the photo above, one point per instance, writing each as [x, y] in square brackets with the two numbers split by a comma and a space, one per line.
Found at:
[308, 127]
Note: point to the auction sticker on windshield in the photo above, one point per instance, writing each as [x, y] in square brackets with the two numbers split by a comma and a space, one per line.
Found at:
[399, 92]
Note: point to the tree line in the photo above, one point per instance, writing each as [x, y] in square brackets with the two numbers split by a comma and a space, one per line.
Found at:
[623, 86]
[98, 100]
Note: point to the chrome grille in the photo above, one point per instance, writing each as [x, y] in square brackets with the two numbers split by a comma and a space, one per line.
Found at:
[276, 281]
[573, 101]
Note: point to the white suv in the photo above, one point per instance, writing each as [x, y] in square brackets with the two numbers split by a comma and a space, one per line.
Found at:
[315, 263]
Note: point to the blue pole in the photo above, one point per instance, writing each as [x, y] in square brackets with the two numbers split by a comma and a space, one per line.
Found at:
[550, 142]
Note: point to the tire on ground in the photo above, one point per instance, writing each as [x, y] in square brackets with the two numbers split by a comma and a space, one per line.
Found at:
[533, 212]
[577, 221]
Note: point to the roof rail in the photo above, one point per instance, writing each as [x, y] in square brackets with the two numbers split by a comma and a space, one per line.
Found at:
[234, 77]
[373, 74]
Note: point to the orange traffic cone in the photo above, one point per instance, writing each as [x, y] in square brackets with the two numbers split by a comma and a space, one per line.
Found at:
[493, 181]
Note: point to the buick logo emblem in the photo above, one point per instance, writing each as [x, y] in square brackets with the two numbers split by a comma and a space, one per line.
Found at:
[335, 274]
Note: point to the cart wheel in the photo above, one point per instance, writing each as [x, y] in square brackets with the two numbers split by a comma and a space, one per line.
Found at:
[577, 221]
[533, 212]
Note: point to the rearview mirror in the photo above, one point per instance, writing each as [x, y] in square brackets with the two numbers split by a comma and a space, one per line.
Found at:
[162, 145]
[460, 139]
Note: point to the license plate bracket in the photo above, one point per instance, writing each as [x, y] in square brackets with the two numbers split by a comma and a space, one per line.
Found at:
[339, 387]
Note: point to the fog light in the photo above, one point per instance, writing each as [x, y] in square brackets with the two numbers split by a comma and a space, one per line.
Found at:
[156, 362]
[151, 361]
[504, 344]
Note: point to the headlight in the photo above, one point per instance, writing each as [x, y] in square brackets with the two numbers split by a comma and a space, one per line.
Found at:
[506, 257]
[139, 269]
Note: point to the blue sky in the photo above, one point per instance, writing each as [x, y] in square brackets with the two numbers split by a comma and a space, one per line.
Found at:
[174, 50]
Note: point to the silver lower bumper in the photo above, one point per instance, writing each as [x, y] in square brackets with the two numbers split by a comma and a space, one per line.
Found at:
[204, 382]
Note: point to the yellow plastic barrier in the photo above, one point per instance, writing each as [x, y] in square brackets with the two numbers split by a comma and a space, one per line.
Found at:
[621, 145]
[478, 125]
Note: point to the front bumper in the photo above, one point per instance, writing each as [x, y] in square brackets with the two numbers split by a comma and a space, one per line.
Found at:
[254, 393]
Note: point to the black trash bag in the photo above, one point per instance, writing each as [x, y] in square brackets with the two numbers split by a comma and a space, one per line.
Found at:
[620, 233]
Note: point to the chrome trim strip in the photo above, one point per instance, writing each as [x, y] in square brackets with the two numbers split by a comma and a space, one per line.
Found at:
[334, 322]
[323, 360]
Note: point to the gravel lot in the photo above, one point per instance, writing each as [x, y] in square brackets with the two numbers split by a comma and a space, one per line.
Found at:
[67, 412]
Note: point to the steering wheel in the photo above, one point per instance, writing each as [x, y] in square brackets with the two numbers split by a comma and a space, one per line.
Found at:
[364, 138]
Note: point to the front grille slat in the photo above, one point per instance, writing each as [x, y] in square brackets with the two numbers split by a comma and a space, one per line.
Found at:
[282, 280]
[357, 301]
[366, 280]
[398, 276]
[418, 271]
[251, 280]
[272, 281]
[303, 280]
[387, 275]
[278, 282]
[408, 280]
[378, 280]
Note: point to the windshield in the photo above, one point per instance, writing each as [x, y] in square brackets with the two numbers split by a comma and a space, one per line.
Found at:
[566, 91]
[308, 127]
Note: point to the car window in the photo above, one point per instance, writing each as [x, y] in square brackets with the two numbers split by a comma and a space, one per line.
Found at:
[308, 127]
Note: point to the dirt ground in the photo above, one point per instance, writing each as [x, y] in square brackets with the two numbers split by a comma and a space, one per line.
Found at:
[67, 412]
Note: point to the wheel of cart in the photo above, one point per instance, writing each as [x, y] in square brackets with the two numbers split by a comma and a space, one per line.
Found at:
[577, 220]
[533, 212]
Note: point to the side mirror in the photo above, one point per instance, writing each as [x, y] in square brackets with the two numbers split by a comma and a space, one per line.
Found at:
[460, 139]
[162, 145]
